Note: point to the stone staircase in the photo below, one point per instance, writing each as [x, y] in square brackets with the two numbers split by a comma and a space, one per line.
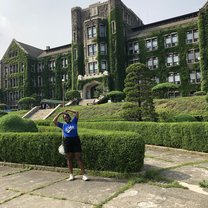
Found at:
[85, 102]
[91, 101]
[40, 114]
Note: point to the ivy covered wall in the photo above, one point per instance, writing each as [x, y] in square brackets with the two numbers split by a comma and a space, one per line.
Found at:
[34, 75]
[77, 61]
[117, 54]
[16, 56]
[203, 45]
[162, 72]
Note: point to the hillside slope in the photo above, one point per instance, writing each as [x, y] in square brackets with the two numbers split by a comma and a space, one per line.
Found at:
[195, 105]
[192, 105]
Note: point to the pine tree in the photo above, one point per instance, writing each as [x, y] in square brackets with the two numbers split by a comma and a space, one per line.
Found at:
[138, 92]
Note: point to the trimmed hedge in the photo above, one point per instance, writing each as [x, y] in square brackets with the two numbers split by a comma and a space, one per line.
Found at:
[112, 151]
[13, 123]
[43, 122]
[185, 135]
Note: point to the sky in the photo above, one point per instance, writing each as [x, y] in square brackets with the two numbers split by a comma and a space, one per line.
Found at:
[42, 23]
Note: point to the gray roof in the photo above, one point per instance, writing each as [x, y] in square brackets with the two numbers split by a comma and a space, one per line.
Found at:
[32, 51]
[38, 53]
[58, 50]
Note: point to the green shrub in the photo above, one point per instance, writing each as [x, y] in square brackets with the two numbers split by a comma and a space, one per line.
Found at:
[165, 116]
[112, 151]
[184, 117]
[131, 112]
[116, 96]
[26, 103]
[204, 184]
[43, 122]
[13, 123]
[184, 135]
[2, 106]
[31, 148]
[2, 113]
[162, 90]
[48, 129]
[73, 95]
[200, 93]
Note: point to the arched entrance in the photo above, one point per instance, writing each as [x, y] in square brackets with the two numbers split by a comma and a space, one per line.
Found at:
[89, 90]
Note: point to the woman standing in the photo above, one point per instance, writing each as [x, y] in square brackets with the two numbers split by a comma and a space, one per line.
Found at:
[71, 141]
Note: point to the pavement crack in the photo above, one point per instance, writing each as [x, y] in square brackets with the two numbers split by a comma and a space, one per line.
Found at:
[16, 172]
[28, 192]
[114, 195]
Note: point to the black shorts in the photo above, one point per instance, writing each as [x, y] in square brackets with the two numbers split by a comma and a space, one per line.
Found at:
[72, 144]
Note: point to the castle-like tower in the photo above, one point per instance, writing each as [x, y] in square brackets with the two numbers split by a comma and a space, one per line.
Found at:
[99, 51]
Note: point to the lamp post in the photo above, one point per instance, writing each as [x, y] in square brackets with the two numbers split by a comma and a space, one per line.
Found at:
[63, 91]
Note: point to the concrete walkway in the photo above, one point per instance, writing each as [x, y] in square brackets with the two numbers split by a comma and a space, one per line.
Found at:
[24, 188]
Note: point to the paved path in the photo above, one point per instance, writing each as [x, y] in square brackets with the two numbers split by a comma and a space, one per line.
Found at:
[24, 188]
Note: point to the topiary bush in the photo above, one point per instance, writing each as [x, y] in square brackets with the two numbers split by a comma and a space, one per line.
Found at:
[72, 95]
[102, 150]
[2, 113]
[13, 123]
[116, 96]
[184, 118]
[200, 93]
[26, 103]
[43, 122]
[2, 106]
[162, 90]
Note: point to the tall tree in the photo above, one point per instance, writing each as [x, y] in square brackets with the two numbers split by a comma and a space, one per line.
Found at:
[138, 92]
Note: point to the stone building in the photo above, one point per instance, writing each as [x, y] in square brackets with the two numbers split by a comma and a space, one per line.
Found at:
[106, 38]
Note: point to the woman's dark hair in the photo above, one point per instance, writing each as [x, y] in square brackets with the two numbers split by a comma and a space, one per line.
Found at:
[67, 115]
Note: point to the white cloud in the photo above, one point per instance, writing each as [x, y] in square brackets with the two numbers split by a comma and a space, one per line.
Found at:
[6, 32]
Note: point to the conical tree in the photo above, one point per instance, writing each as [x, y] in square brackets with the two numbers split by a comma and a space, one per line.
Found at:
[138, 92]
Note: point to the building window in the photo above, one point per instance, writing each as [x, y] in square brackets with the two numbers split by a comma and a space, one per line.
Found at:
[64, 62]
[133, 47]
[91, 32]
[92, 49]
[192, 36]
[12, 54]
[103, 48]
[171, 40]
[152, 63]
[156, 80]
[20, 81]
[52, 79]
[39, 81]
[22, 67]
[102, 30]
[172, 59]
[133, 61]
[113, 27]
[174, 78]
[52, 64]
[75, 54]
[93, 67]
[93, 11]
[193, 56]
[5, 84]
[195, 77]
[5, 71]
[74, 36]
[40, 67]
[151, 44]
[103, 65]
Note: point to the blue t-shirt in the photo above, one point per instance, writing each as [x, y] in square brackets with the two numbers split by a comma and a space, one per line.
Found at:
[69, 129]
